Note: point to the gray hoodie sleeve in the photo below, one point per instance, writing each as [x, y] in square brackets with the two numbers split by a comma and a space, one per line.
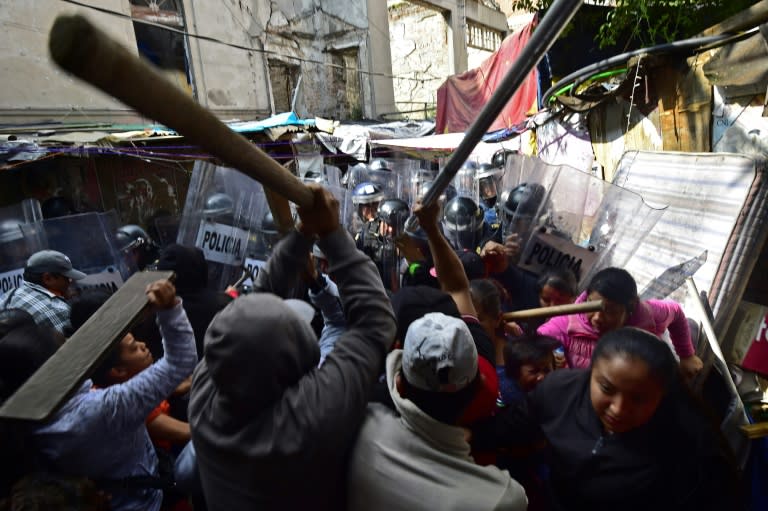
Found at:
[328, 404]
[281, 274]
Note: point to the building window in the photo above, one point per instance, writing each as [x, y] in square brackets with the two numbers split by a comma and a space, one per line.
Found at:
[483, 38]
[283, 78]
[164, 48]
[345, 83]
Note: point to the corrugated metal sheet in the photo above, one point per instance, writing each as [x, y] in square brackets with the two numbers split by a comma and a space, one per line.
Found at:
[717, 202]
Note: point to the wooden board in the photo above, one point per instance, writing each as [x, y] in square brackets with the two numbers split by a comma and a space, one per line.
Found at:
[62, 374]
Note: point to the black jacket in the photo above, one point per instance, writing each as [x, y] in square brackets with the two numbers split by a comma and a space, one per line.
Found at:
[677, 461]
[272, 430]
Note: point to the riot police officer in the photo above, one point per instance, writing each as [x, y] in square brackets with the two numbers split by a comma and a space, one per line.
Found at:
[137, 247]
[366, 197]
[463, 223]
[488, 178]
[392, 214]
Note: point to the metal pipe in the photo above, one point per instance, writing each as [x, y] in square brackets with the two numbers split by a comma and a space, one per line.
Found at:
[545, 34]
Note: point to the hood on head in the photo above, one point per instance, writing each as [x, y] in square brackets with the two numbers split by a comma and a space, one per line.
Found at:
[188, 263]
[257, 347]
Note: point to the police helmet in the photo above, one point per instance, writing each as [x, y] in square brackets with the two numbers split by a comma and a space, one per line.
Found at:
[463, 223]
[524, 200]
[394, 212]
[218, 204]
[314, 176]
[485, 170]
[268, 224]
[499, 158]
[269, 230]
[132, 239]
[367, 193]
[379, 164]
[10, 230]
[55, 207]
[448, 194]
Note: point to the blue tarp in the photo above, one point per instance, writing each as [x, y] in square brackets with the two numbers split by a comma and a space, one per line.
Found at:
[276, 121]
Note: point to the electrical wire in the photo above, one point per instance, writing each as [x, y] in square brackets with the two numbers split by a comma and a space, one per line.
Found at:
[694, 43]
[231, 45]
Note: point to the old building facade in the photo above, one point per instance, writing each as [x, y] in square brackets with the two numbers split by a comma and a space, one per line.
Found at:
[431, 40]
[242, 59]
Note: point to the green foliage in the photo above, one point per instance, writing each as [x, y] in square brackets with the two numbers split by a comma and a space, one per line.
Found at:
[649, 22]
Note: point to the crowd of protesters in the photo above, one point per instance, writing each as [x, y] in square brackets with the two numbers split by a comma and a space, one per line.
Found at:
[422, 398]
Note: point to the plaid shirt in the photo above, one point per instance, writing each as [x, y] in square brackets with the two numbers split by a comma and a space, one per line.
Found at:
[46, 307]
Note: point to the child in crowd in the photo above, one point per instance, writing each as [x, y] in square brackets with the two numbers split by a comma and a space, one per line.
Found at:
[527, 361]
[558, 286]
[100, 433]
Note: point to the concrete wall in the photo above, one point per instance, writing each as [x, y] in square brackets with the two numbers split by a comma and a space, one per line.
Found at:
[233, 82]
[230, 81]
[306, 33]
[420, 62]
[32, 88]
[428, 44]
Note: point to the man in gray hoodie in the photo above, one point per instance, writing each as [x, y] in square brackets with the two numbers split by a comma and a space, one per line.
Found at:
[418, 459]
[271, 429]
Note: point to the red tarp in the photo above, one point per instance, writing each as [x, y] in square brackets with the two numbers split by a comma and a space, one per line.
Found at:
[757, 355]
[461, 97]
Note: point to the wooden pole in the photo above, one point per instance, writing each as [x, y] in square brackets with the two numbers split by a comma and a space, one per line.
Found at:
[557, 310]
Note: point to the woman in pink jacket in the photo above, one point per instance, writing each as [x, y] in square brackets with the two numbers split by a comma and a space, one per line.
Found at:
[622, 307]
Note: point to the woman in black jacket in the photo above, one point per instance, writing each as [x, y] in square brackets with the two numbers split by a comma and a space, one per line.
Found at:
[627, 434]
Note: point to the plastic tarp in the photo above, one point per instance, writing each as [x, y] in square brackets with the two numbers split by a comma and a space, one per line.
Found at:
[461, 97]
[440, 146]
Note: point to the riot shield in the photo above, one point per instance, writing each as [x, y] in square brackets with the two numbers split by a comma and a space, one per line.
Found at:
[465, 182]
[88, 239]
[20, 237]
[223, 212]
[418, 184]
[265, 235]
[568, 218]
[526, 185]
[333, 175]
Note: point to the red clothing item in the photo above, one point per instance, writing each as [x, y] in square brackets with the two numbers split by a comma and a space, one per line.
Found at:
[484, 403]
[162, 409]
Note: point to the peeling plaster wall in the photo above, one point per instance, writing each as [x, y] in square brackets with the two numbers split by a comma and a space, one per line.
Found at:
[230, 81]
[304, 33]
[233, 82]
[420, 60]
[32, 87]
[428, 44]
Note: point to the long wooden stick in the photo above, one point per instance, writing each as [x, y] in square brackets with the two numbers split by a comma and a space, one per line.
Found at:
[556, 310]
[88, 53]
